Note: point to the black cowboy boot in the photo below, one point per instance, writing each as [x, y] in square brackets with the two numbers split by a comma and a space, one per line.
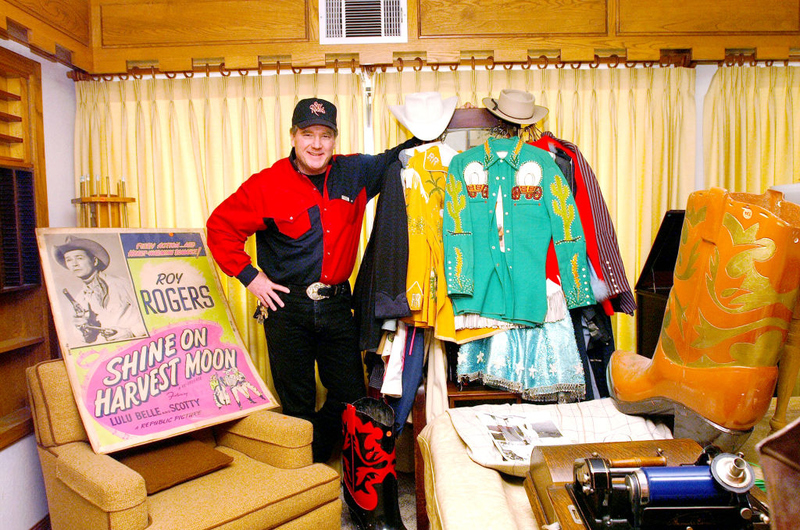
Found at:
[368, 465]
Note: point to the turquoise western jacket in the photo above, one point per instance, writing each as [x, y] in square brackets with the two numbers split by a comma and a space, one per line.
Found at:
[502, 274]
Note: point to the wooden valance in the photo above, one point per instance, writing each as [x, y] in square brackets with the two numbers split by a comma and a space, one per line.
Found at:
[114, 36]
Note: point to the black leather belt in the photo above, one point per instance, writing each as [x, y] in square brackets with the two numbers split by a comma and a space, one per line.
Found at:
[320, 291]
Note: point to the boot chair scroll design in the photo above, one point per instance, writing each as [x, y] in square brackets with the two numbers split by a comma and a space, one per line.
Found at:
[734, 291]
[369, 465]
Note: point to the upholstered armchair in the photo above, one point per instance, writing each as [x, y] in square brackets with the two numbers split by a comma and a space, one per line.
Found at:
[271, 481]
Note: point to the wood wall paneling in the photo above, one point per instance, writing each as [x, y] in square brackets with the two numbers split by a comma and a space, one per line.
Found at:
[14, 397]
[175, 35]
[68, 16]
[471, 18]
[701, 17]
[167, 23]
[57, 28]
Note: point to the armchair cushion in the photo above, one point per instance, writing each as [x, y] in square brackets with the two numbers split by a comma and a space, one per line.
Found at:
[270, 437]
[53, 405]
[99, 479]
[170, 462]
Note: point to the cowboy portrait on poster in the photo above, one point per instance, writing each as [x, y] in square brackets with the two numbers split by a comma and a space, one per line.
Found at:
[147, 337]
[98, 290]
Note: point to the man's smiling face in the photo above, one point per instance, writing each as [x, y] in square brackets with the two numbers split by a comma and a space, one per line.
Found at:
[313, 147]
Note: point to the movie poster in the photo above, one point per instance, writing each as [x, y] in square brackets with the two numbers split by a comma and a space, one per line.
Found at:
[147, 337]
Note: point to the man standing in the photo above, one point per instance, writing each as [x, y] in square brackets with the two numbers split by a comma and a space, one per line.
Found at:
[306, 213]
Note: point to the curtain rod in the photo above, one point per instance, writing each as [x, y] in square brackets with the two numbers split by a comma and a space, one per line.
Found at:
[674, 59]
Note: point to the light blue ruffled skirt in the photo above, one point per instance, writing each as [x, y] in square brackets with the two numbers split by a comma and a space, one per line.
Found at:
[542, 363]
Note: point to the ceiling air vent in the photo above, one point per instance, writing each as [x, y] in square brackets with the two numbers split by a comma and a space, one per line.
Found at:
[362, 21]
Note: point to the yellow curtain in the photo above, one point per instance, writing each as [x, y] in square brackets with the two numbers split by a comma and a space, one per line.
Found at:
[636, 127]
[750, 128]
[180, 146]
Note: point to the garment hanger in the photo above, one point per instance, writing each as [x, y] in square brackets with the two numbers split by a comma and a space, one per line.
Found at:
[504, 129]
[530, 133]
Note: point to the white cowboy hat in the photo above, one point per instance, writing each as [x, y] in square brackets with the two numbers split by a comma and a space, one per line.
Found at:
[516, 106]
[425, 114]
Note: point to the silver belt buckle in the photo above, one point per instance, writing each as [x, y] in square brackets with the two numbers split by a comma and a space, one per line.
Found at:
[313, 291]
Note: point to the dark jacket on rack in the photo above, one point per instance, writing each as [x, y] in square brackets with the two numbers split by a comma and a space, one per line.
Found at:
[380, 289]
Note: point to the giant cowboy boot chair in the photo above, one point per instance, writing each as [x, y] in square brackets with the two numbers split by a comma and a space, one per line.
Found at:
[368, 465]
[734, 291]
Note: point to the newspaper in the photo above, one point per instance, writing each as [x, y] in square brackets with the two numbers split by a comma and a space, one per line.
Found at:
[515, 436]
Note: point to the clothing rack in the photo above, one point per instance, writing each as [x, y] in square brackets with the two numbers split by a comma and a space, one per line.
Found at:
[463, 120]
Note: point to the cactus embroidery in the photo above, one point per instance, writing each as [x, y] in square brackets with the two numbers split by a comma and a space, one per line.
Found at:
[576, 275]
[561, 208]
[457, 202]
[463, 283]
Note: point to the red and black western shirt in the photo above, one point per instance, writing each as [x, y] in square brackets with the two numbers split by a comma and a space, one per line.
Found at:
[302, 236]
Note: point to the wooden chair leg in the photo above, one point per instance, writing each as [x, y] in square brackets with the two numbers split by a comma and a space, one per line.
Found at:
[419, 465]
[788, 367]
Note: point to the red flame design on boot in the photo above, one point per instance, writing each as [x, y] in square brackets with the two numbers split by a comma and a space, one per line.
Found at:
[366, 463]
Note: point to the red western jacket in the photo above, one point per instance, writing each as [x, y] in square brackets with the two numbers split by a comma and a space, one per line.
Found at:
[302, 236]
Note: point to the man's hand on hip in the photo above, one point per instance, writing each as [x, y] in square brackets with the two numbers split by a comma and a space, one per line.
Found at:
[267, 291]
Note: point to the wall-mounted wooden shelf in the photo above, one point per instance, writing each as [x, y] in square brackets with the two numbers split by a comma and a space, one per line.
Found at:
[13, 112]
[8, 96]
[19, 343]
[19, 288]
[16, 163]
[5, 138]
[10, 118]
[15, 426]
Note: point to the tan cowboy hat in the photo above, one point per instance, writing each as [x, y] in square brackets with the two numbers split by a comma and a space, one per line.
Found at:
[87, 245]
[425, 114]
[516, 106]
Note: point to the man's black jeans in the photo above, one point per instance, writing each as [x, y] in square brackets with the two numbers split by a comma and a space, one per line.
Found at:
[301, 333]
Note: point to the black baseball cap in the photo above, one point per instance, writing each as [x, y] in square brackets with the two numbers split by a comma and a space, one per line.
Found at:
[314, 111]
